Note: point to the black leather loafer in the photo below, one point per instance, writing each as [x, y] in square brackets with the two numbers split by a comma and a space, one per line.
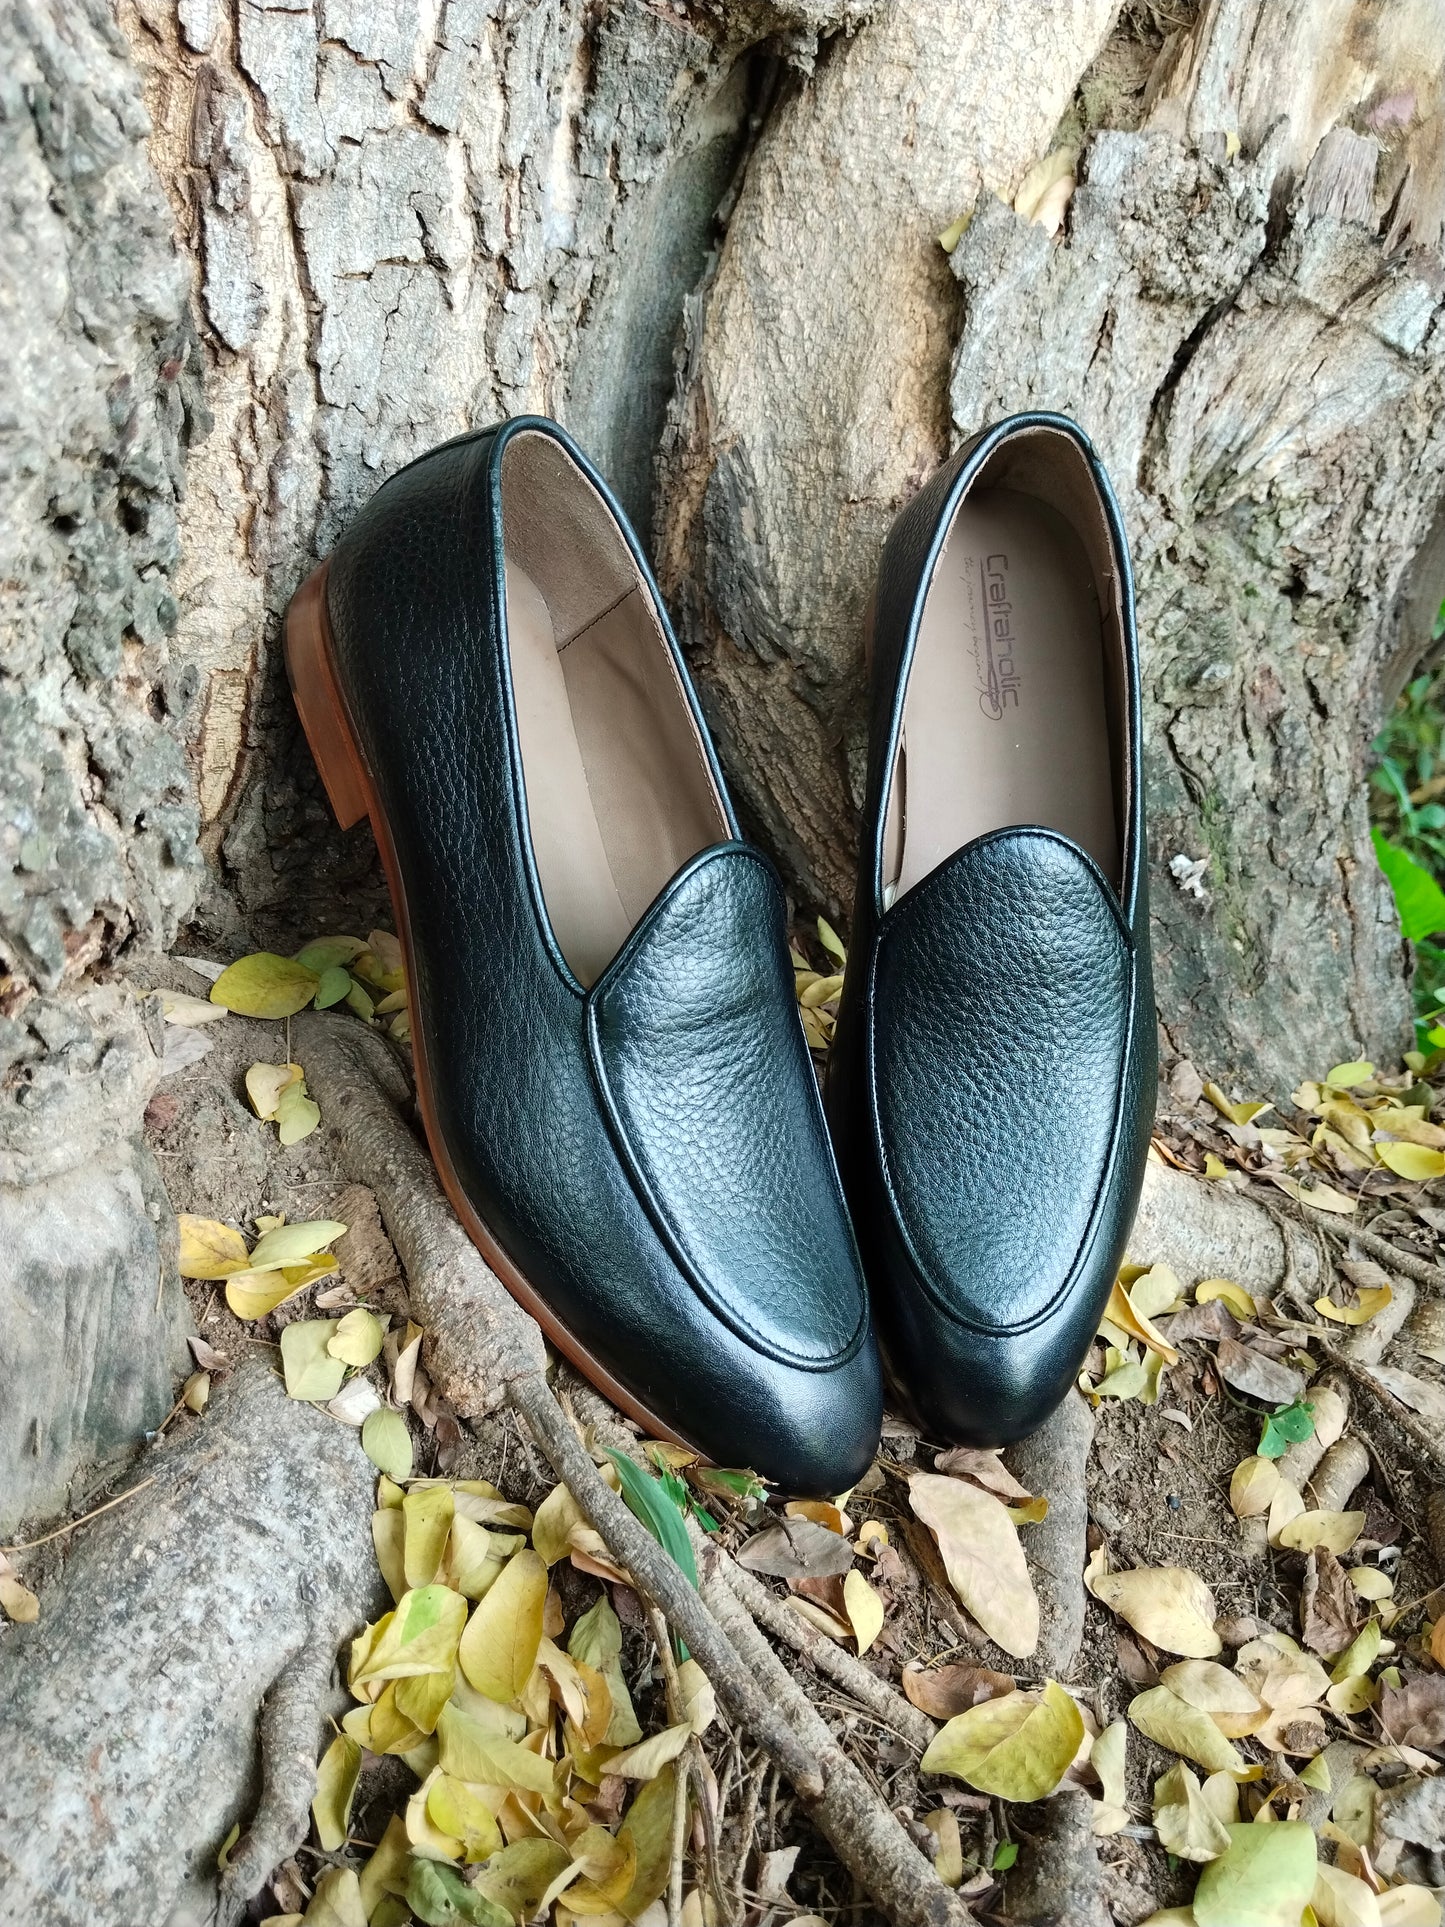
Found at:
[610, 1064]
[991, 1084]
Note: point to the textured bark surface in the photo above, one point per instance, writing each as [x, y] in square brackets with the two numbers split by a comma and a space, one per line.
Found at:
[814, 389]
[98, 394]
[1244, 310]
[93, 1327]
[130, 1704]
[404, 222]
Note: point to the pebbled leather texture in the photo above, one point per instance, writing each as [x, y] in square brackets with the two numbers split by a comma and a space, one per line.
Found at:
[992, 1079]
[598, 1135]
[700, 1058]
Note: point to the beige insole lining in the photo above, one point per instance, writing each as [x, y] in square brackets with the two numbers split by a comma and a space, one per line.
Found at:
[618, 791]
[1005, 718]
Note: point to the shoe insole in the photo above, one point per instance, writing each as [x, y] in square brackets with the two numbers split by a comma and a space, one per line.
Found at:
[1005, 718]
[619, 794]
[583, 902]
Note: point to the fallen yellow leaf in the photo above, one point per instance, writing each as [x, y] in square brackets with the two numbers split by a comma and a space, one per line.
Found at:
[1121, 1311]
[865, 1610]
[266, 1082]
[336, 1779]
[1413, 1161]
[1235, 1296]
[1184, 1820]
[1252, 1486]
[499, 1647]
[1367, 1302]
[1161, 1715]
[209, 1249]
[647, 1759]
[1335, 1531]
[1170, 1605]
[1211, 1688]
[265, 985]
[336, 1901]
[1018, 1747]
[982, 1556]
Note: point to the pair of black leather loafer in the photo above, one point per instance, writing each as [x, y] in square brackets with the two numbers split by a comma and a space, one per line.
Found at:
[610, 1066]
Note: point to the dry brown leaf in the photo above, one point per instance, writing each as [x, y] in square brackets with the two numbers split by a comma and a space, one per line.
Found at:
[985, 1468]
[982, 1556]
[1257, 1375]
[797, 1549]
[1330, 1607]
[1422, 1395]
[946, 1690]
[1414, 1714]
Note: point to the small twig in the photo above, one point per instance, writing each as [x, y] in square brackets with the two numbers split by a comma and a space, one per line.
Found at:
[697, 1767]
[1420, 1269]
[866, 1836]
[85, 1518]
[676, 1712]
[772, 1613]
[747, 1824]
[1361, 1375]
[662, 1582]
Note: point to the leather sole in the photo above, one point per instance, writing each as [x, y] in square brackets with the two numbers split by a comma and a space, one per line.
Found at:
[321, 705]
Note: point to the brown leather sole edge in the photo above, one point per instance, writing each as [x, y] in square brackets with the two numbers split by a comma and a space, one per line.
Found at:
[352, 794]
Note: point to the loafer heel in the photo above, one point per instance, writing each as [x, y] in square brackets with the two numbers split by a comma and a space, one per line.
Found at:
[319, 703]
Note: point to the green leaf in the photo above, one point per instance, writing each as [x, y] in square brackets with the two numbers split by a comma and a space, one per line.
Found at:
[288, 1244]
[1418, 897]
[311, 1373]
[1288, 1426]
[358, 1000]
[327, 952]
[387, 1443]
[439, 1897]
[1266, 1877]
[335, 984]
[297, 1115]
[1004, 1855]
[736, 1485]
[265, 985]
[659, 1512]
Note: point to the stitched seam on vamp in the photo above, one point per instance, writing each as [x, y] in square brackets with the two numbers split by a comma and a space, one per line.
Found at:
[662, 1225]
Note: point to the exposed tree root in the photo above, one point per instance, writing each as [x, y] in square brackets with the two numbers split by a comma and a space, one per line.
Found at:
[1055, 1461]
[1206, 1230]
[122, 1772]
[1060, 1883]
[772, 1614]
[290, 1726]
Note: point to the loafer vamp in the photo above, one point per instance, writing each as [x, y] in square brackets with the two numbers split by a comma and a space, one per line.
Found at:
[704, 1074]
[1002, 1010]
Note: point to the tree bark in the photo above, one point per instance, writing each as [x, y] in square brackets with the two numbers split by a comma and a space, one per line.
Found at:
[130, 1706]
[1243, 309]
